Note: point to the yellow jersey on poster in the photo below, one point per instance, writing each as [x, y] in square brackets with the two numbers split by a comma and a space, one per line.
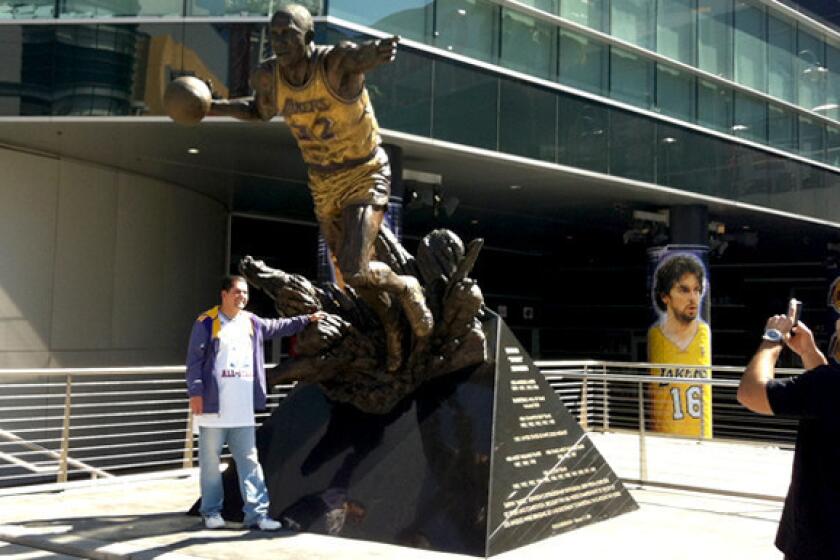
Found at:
[681, 408]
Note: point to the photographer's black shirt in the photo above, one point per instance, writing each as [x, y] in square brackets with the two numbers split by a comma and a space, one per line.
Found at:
[810, 525]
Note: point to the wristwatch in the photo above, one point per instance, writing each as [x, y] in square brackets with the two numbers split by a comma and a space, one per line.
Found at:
[773, 335]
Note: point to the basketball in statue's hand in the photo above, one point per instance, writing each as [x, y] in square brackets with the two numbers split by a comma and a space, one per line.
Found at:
[187, 100]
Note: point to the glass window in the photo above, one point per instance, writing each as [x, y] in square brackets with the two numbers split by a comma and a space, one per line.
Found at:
[714, 106]
[401, 93]
[631, 78]
[781, 41]
[633, 21]
[781, 127]
[528, 45]
[33, 9]
[812, 73]
[465, 105]
[550, 6]
[750, 46]
[408, 18]
[591, 13]
[527, 121]
[583, 62]
[750, 118]
[467, 27]
[675, 92]
[238, 7]
[715, 37]
[632, 146]
[832, 144]
[675, 29]
[832, 94]
[811, 138]
[583, 134]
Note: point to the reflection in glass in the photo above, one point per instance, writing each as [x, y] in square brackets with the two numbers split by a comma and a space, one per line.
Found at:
[811, 138]
[467, 27]
[831, 109]
[412, 19]
[714, 106]
[781, 126]
[33, 9]
[812, 73]
[750, 118]
[750, 46]
[401, 93]
[781, 44]
[832, 145]
[675, 92]
[528, 45]
[549, 6]
[527, 121]
[631, 78]
[583, 62]
[714, 37]
[244, 7]
[583, 134]
[465, 105]
[591, 13]
[675, 29]
[633, 21]
[632, 146]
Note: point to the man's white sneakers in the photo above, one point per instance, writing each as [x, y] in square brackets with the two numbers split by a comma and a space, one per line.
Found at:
[214, 522]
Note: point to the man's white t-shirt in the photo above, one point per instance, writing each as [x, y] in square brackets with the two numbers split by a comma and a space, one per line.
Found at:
[234, 373]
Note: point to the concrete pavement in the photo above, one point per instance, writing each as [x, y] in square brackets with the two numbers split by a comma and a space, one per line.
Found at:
[143, 518]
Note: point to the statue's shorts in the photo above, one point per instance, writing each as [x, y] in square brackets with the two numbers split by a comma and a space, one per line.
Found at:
[364, 183]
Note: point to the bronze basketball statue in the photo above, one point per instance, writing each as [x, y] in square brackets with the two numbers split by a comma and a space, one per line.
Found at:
[386, 335]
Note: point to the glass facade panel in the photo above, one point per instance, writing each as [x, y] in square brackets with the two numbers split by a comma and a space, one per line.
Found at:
[781, 127]
[750, 118]
[591, 13]
[811, 138]
[550, 6]
[832, 94]
[401, 93]
[583, 63]
[632, 146]
[675, 24]
[412, 19]
[583, 134]
[633, 21]
[631, 78]
[527, 121]
[528, 45]
[832, 145]
[812, 73]
[675, 92]
[715, 37]
[465, 105]
[467, 27]
[781, 47]
[714, 106]
[750, 46]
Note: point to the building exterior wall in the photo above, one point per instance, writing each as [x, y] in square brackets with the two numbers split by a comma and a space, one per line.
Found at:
[101, 267]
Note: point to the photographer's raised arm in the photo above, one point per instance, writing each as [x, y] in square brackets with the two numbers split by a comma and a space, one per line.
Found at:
[752, 392]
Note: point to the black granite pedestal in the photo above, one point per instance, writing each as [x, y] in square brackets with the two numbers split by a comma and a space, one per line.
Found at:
[478, 462]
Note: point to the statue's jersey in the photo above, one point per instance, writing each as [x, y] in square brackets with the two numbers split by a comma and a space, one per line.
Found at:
[681, 408]
[338, 138]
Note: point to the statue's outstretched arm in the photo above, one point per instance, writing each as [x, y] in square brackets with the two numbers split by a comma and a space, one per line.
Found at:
[261, 106]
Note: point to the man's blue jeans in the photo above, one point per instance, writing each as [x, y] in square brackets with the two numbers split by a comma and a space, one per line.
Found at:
[242, 445]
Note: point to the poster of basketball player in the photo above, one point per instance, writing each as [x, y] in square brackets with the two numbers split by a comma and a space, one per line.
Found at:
[681, 338]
